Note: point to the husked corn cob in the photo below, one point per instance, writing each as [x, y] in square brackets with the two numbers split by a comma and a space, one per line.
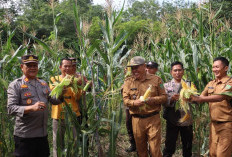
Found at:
[68, 80]
[185, 93]
[57, 90]
[147, 94]
[86, 86]
[144, 97]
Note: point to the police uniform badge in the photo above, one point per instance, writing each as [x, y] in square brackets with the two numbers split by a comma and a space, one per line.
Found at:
[29, 101]
[26, 79]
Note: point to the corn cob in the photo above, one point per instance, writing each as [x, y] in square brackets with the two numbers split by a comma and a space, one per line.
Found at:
[86, 86]
[128, 71]
[147, 94]
[186, 93]
[57, 90]
[74, 84]
[144, 97]
[68, 80]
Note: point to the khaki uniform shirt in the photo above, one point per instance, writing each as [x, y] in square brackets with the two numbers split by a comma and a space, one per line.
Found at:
[172, 88]
[219, 111]
[21, 93]
[133, 89]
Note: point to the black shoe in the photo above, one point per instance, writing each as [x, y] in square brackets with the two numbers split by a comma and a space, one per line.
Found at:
[132, 148]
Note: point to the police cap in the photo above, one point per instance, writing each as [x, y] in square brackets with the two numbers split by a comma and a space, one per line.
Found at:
[29, 59]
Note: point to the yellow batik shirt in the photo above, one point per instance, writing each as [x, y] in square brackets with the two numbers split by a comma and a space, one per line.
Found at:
[69, 98]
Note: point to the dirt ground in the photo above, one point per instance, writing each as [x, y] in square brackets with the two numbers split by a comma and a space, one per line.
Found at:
[123, 143]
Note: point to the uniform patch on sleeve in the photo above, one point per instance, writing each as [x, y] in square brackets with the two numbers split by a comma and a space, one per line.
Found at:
[24, 86]
[27, 94]
[228, 87]
[162, 85]
[29, 101]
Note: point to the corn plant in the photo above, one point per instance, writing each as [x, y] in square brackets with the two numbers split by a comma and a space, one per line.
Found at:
[195, 43]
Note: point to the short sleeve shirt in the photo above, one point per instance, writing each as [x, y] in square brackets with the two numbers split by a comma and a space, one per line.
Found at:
[219, 111]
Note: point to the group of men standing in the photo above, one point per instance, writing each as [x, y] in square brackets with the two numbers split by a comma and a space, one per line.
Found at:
[145, 113]
[28, 99]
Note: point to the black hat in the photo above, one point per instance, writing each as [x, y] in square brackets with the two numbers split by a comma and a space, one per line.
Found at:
[152, 64]
[73, 60]
[29, 59]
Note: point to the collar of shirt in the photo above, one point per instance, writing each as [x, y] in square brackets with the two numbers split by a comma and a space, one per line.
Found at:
[223, 80]
[174, 82]
[31, 82]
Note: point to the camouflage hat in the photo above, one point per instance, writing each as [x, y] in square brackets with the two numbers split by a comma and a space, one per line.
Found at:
[137, 60]
[151, 64]
[29, 59]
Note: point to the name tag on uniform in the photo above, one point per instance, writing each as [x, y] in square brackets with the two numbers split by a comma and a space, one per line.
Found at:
[210, 87]
[24, 86]
[133, 89]
[27, 94]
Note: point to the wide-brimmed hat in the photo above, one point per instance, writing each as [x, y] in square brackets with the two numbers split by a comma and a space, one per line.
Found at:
[137, 60]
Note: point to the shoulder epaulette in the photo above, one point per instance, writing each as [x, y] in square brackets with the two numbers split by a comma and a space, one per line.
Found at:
[19, 79]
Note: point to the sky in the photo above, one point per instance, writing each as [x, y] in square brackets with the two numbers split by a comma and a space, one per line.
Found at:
[119, 3]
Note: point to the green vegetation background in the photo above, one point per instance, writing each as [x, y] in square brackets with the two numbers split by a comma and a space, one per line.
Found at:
[104, 39]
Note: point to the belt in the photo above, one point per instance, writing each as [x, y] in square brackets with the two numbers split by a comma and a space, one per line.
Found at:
[220, 122]
[145, 115]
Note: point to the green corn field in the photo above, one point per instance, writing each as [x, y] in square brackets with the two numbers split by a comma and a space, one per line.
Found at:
[194, 36]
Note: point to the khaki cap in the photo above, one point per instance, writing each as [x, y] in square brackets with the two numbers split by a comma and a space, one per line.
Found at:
[137, 60]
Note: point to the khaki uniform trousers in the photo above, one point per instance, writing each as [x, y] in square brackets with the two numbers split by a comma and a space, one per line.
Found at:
[220, 139]
[147, 131]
